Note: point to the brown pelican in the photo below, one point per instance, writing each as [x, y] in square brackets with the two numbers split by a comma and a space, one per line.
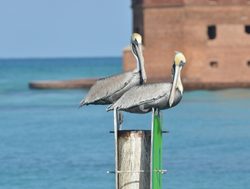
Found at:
[142, 99]
[109, 89]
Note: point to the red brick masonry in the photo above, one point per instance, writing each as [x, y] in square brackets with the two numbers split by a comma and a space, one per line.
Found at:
[214, 35]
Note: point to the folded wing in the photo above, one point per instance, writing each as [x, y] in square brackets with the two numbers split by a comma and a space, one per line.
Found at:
[103, 89]
[140, 95]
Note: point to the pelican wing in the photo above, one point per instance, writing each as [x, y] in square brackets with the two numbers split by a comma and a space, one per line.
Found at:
[139, 95]
[106, 87]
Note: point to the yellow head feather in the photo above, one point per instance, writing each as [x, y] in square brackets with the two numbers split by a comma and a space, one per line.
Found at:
[179, 57]
[137, 37]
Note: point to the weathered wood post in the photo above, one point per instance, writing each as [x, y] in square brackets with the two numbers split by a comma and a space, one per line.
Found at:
[134, 149]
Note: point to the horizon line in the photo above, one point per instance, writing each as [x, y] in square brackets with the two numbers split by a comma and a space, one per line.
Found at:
[59, 57]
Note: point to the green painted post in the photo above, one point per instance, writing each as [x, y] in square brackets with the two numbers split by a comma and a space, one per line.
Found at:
[156, 151]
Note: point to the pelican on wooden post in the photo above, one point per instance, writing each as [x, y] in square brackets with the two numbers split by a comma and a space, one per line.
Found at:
[108, 90]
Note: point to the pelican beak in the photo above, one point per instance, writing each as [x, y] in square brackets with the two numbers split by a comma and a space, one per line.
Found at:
[137, 49]
[141, 62]
[174, 86]
[136, 41]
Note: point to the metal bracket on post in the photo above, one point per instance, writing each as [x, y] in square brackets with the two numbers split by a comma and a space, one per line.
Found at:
[164, 132]
[164, 171]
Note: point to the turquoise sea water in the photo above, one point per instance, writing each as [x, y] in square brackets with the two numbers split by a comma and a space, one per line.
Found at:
[47, 142]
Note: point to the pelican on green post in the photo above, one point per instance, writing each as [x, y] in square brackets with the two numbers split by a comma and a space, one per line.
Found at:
[154, 97]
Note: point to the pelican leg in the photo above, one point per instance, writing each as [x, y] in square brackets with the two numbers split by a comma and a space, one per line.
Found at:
[151, 153]
[157, 112]
[120, 119]
[116, 125]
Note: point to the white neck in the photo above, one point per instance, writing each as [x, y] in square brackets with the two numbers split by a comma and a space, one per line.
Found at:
[179, 84]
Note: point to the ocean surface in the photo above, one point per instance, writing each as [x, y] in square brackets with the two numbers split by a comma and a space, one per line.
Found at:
[47, 142]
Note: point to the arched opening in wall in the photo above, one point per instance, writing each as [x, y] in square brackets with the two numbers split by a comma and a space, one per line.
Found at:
[214, 64]
[211, 32]
[247, 29]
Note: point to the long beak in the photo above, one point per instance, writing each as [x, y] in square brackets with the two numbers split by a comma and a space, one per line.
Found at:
[174, 86]
[141, 63]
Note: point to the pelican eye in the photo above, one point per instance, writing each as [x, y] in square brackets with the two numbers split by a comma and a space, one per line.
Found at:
[182, 63]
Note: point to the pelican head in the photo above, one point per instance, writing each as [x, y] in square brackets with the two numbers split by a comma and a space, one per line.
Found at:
[179, 62]
[136, 42]
[136, 38]
[179, 59]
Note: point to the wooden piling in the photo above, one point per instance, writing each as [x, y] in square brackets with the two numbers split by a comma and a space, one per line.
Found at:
[134, 149]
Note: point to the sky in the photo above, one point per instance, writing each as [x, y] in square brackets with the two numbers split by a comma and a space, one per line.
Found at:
[64, 28]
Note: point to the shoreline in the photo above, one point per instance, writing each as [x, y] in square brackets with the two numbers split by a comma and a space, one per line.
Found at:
[88, 82]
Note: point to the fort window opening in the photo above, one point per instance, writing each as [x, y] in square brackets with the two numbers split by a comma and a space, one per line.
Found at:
[211, 31]
[213, 64]
[247, 29]
[248, 63]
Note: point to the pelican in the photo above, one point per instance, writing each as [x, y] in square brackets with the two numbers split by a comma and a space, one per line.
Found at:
[144, 98]
[110, 89]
